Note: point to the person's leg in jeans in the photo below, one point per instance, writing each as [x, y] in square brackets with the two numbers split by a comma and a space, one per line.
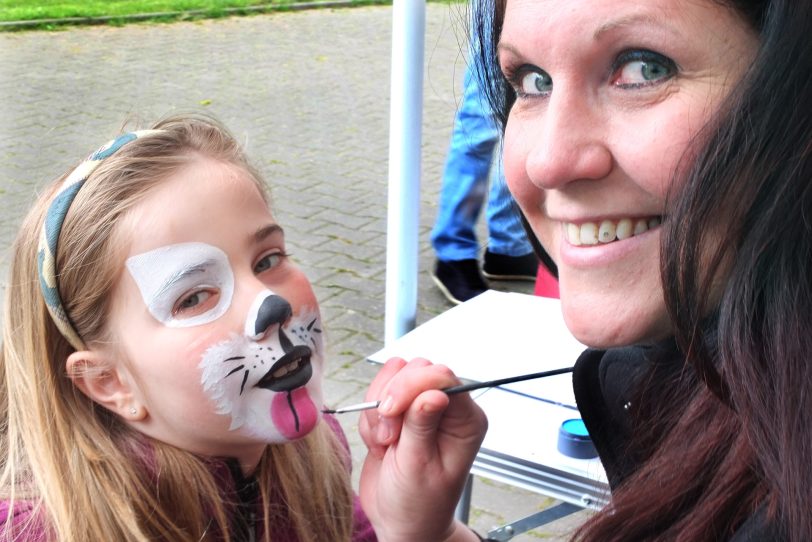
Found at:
[462, 195]
[465, 177]
[509, 255]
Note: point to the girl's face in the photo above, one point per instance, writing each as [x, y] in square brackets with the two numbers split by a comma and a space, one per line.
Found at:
[219, 330]
[610, 93]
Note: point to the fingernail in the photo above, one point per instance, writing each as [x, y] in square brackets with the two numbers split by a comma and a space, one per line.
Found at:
[386, 406]
[384, 432]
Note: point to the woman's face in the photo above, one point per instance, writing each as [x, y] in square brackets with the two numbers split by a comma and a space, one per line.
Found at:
[610, 93]
[218, 330]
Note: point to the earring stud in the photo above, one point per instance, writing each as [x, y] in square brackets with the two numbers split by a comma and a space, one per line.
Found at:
[133, 411]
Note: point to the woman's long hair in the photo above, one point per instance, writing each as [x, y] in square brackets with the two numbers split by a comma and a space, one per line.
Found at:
[87, 474]
[732, 435]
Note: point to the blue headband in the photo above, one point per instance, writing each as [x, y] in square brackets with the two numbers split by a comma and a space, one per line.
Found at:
[46, 251]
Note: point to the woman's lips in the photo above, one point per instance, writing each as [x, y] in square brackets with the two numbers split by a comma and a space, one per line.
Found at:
[580, 248]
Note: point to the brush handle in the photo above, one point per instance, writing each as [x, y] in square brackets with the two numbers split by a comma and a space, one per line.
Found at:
[459, 389]
[509, 380]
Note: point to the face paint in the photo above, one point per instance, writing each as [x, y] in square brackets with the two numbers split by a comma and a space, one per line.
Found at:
[269, 379]
[166, 274]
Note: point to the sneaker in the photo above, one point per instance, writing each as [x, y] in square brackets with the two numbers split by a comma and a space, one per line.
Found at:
[502, 267]
[459, 280]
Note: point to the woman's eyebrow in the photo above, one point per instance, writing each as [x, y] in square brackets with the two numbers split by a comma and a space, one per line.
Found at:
[630, 20]
[502, 46]
[266, 231]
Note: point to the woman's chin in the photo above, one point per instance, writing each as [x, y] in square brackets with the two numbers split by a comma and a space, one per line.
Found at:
[604, 324]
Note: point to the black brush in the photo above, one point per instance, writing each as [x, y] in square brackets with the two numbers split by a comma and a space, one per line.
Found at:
[458, 389]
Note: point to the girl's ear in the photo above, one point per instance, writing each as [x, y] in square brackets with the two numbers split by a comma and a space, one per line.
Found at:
[105, 382]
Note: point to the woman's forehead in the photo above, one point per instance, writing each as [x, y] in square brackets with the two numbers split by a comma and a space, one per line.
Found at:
[598, 16]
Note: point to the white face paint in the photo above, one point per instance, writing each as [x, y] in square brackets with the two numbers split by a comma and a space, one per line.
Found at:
[269, 379]
[166, 274]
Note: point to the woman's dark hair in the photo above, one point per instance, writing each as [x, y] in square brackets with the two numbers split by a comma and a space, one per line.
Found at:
[731, 436]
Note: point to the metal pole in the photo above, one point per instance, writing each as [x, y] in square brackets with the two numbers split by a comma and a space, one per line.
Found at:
[406, 112]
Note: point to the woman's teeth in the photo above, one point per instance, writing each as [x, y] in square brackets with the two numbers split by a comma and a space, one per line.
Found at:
[592, 233]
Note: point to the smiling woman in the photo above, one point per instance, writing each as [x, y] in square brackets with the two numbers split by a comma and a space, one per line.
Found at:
[622, 84]
[661, 158]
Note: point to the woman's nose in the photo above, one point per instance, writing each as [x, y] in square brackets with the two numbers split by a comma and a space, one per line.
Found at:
[567, 142]
[268, 310]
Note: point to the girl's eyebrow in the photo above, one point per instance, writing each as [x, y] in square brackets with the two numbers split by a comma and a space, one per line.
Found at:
[266, 231]
[177, 276]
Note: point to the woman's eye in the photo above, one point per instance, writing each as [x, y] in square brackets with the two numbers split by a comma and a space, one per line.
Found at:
[642, 68]
[535, 83]
[268, 262]
[194, 303]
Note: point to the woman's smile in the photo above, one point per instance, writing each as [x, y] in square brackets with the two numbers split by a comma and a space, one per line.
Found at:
[608, 230]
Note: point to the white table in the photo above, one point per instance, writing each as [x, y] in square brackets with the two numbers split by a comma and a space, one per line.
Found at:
[496, 335]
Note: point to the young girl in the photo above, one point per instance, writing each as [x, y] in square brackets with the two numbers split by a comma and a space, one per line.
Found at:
[162, 358]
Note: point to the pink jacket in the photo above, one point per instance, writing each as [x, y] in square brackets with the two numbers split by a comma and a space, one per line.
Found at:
[26, 528]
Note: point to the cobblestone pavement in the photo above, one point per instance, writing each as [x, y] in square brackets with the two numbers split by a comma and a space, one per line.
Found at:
[308, 94]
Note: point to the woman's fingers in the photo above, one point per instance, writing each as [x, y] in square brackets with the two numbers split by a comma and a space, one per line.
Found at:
[414, 378]
[376, 436]
[397, 386]
[385, 374]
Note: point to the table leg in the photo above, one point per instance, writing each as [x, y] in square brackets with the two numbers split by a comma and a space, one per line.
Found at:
[506, 532]
[464, 505]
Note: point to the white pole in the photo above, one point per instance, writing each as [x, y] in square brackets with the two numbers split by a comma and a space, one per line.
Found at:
[406, 113]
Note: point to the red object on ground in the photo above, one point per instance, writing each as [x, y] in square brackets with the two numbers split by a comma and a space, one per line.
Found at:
[546, 283]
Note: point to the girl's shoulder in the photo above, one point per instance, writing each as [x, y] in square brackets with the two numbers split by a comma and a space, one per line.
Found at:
[19, 522]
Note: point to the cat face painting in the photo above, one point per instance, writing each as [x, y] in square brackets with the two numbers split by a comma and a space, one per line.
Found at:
[219, 330]
[264, 379]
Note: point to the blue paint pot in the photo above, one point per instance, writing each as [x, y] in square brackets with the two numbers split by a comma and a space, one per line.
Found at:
[574, 441]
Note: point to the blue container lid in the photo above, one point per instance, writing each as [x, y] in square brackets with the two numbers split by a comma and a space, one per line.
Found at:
[574, 441]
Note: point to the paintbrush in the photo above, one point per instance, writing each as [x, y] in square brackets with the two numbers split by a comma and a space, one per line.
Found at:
[458, 389]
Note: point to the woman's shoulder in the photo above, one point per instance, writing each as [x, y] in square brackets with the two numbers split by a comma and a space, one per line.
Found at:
[759, 528]
[605, 383]
[19, 522]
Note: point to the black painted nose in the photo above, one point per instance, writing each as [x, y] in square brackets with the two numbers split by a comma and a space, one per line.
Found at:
[273, 310]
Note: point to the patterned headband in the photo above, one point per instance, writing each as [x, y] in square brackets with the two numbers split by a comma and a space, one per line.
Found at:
[46, 251]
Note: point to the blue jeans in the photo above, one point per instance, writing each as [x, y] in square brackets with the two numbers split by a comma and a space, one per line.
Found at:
[465, 183]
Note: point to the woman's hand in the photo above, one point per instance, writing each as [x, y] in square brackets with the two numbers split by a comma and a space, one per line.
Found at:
[421, 446]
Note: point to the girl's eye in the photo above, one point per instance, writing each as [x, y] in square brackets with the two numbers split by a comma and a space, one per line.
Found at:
[534, 83]
[642, 68]
[269, 261]
[194, 303]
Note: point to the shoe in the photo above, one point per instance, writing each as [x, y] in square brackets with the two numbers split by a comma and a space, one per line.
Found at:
[459, 280]
[502, 267]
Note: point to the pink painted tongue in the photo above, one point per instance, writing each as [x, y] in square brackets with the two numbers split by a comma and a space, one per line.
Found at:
[288, 408]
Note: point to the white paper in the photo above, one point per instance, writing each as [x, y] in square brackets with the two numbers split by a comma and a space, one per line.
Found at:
[528, 430]
[497, 335]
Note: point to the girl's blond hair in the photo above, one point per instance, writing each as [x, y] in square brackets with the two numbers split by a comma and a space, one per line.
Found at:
[83, 469]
